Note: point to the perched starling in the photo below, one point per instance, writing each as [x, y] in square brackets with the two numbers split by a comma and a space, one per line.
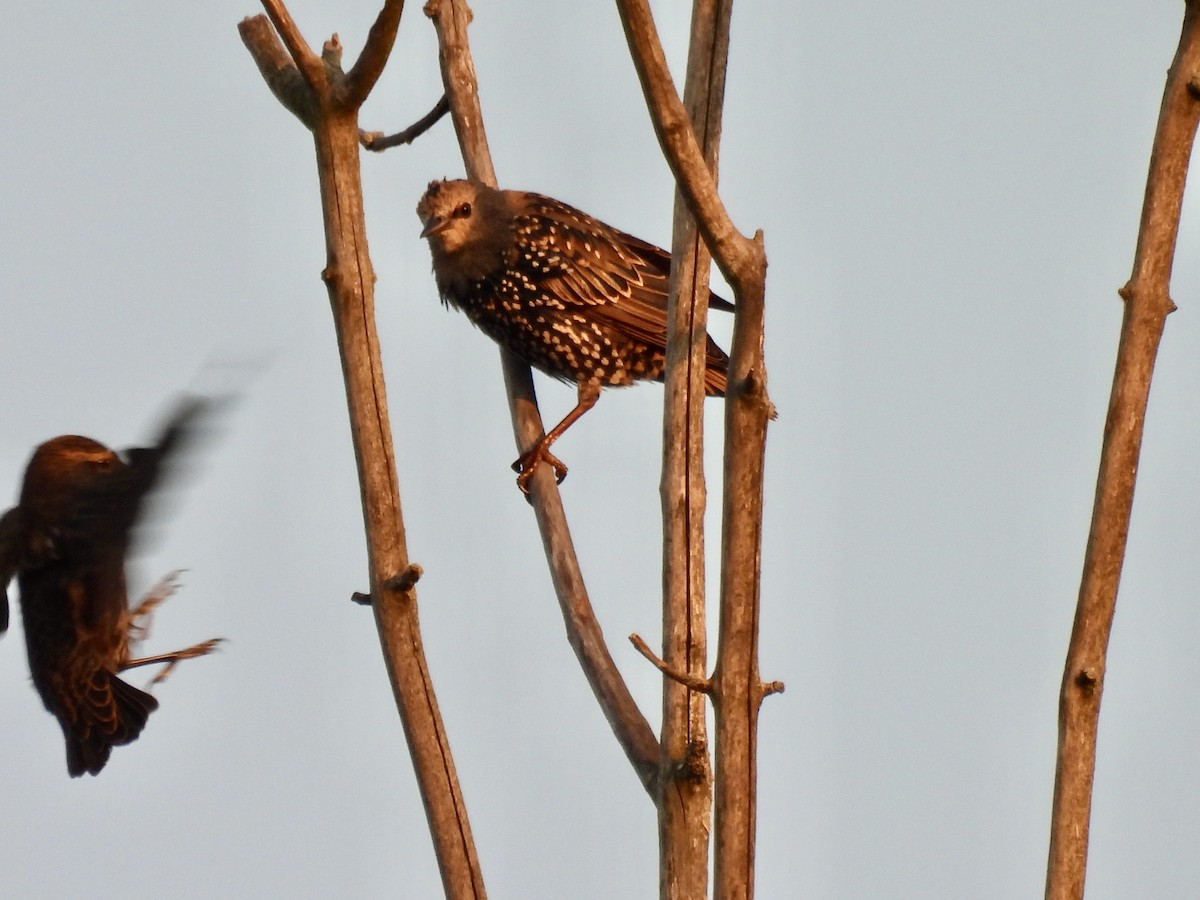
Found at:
[66, 542]
[577, 299]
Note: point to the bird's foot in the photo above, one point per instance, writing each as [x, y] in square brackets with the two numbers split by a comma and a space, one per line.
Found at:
[173, 659]
[141, 615]
[528, 462]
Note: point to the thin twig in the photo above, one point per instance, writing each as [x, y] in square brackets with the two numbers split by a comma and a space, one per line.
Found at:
[375, 140]
[1147, 305]
[691, 682]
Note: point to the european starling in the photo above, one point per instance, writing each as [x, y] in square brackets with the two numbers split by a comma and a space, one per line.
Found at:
[577, 299]
[66, 542]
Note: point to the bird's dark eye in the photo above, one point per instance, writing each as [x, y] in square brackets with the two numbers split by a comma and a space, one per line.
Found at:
[462, 211]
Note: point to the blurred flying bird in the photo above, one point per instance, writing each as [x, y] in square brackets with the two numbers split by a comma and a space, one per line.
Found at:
[65, 542]
[577, 299]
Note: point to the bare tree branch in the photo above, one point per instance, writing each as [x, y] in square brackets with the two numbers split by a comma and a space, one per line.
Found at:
[685, 804]
[737, 689]
[375, 52]
[376, 141]
[1147, 305]
[277, 69]
[350, 280]
[450, 19]
[303, 56]
[734, 253]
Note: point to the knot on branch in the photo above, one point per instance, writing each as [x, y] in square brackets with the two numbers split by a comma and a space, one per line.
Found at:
[756, 391]
[695, 766]
[1088, 680]
[407, 579]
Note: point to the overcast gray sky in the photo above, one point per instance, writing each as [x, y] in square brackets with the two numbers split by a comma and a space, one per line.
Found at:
[950, 194]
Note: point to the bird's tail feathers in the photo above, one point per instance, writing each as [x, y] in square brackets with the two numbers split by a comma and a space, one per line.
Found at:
[113, 713]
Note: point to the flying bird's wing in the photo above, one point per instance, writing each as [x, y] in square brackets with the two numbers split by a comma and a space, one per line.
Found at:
[10, 531]
[147, 468]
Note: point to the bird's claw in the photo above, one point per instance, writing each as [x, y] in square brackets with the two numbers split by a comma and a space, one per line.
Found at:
[528, 462]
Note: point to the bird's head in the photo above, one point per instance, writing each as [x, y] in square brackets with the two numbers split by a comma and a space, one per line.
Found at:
[469, 227]
[449, 214]
[64, 469]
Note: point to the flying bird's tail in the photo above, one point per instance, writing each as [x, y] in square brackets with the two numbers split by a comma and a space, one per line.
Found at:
[111, 713]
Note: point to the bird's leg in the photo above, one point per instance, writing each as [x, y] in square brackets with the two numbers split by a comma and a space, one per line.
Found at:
[139, 628]
[527, 464]
[172, 659]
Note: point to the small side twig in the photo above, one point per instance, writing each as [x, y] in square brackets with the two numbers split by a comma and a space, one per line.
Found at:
[402, 583]
[378, 142]
[691, 682]
[772, 687]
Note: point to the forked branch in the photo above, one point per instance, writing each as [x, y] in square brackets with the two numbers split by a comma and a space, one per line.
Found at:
[327, 101]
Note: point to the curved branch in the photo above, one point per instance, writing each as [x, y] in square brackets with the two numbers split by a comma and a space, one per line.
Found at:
[450, 19]
[377, 142]
[691, 682]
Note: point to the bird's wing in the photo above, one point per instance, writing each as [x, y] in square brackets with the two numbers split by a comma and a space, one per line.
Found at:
[10, 536]
[619, 278]
[146, 467]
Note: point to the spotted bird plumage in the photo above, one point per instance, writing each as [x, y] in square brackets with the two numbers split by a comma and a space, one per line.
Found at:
[574, 297]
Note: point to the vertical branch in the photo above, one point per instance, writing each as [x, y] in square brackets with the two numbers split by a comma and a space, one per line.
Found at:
[685, 804]
[1147, 304]
[327, 101]
[633, 732]
[736, 687]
